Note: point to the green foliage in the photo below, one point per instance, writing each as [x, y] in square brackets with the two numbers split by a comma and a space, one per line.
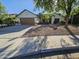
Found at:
[49, 5]
[45, 4]
[45, 18]
[2, 17]
[65, 5]
[75, 11]
[2, 8]
[7, 19]
[1, 21]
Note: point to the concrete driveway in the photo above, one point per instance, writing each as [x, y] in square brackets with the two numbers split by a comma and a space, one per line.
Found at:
[11, 34]
[14, 31]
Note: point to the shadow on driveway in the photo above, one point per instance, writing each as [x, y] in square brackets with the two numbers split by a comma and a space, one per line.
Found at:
[32, 44]
[27, 45]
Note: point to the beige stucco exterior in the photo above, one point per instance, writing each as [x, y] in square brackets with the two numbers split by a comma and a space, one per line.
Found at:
[28, 18]
[30, 21]
[60, 17]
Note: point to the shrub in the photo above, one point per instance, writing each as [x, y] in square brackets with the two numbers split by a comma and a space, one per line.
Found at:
[62, 23]
[9, 21]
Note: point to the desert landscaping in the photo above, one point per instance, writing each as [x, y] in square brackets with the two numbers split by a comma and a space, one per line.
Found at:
[35, 42]
[51, 30]
[39, 29]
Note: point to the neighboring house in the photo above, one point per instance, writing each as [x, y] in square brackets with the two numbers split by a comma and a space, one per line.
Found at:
[57, 18]
[28, 18]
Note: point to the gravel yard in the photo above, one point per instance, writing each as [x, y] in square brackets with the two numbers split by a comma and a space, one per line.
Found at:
[46, 30]
[14, 43]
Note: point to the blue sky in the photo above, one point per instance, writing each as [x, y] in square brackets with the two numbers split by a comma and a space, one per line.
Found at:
[16, 6]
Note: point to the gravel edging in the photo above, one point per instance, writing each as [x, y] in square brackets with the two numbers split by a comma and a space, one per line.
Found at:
[45, 30]
[32, 28]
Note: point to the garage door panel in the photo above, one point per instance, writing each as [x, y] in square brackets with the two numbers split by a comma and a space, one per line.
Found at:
[27, 21]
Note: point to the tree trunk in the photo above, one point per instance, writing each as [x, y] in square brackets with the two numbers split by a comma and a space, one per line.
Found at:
[66, 21]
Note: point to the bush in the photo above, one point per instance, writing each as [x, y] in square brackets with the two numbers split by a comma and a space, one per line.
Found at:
[1, 22]
[62, 23]
[9, 21]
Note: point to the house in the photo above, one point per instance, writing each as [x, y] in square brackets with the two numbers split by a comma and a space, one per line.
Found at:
[57, 18]
[28, 18]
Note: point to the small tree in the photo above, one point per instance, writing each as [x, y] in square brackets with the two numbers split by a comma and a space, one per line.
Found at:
[1, 22]
[9, 21]
[47, 5]
[2, 8]
[75, 11]
[67, 6]
[45, 18]
[50, 5]
[2, 17]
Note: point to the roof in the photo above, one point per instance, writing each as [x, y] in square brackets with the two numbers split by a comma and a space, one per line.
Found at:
[13, 14]
[27, 11]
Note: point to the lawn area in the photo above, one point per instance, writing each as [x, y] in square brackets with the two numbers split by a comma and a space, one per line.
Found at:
[49, 30]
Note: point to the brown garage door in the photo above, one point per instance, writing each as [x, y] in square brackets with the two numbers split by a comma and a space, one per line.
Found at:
[27, 21]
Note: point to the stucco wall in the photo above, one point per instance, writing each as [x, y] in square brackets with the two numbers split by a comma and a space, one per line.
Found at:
[36, 20]
[61, 18]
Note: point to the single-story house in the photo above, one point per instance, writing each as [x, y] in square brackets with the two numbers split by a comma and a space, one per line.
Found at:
[57, 18]
[28, 18]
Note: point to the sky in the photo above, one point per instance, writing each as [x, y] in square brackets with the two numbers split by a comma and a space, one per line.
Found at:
[16, 6]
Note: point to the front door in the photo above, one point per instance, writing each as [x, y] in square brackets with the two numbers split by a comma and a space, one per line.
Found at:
[56, 21]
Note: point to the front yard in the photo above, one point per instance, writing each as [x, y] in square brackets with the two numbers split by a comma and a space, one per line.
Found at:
[49, 30]
[14, 42]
